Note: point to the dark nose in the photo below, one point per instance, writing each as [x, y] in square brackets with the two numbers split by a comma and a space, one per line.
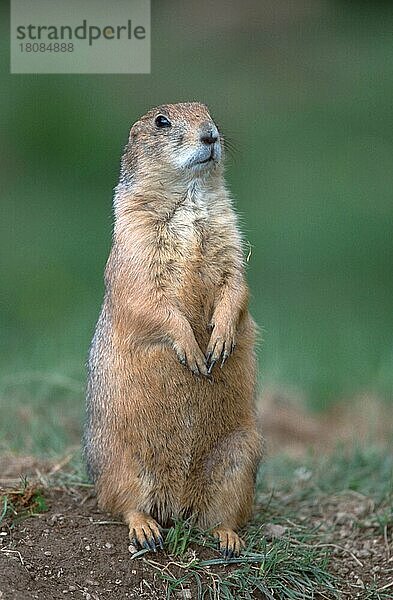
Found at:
[209, 138]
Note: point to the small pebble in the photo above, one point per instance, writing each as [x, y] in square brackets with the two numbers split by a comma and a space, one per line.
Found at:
[186, 594]
[376, 569]
[272, 531]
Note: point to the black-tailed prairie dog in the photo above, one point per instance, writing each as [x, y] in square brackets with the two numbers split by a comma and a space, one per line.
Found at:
[171, 429]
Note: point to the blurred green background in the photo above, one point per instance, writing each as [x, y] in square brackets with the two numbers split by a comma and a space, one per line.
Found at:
[304, 90]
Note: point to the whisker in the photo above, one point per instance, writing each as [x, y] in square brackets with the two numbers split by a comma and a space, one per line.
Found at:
[231, 146]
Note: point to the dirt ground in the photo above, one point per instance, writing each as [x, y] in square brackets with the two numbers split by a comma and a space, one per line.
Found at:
[71, 550]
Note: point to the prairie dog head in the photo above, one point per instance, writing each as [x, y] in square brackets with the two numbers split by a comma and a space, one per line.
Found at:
[175, 140]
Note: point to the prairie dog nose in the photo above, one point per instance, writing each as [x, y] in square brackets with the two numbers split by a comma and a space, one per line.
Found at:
[209, 135]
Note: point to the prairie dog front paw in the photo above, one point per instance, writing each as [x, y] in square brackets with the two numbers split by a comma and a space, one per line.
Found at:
[190, 354]
[221, 345]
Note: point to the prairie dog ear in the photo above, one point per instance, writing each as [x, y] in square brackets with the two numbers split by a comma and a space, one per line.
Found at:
[134, 131]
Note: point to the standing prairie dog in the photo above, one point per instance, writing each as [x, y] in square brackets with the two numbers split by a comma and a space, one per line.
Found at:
[171, 429]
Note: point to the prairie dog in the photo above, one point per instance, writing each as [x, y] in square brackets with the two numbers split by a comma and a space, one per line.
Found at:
[171, 429]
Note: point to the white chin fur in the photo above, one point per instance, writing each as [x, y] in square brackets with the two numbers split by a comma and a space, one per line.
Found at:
[194, 157]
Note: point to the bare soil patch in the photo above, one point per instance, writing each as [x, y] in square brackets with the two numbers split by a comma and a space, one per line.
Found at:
[70, 552]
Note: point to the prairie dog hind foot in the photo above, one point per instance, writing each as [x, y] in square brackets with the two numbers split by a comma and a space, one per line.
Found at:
[230, 544]
[144, 532]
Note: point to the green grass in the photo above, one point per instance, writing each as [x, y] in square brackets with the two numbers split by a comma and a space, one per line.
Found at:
[41, 413]
[286, 568]
[20, 503]
[366, 469]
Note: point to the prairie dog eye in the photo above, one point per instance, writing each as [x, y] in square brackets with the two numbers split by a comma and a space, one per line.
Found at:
[161, 121]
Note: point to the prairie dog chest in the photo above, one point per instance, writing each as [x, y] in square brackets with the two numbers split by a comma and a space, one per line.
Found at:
[187, 229]
[183, 260]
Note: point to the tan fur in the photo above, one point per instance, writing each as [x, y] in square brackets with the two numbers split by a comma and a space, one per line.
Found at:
[160, 440]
